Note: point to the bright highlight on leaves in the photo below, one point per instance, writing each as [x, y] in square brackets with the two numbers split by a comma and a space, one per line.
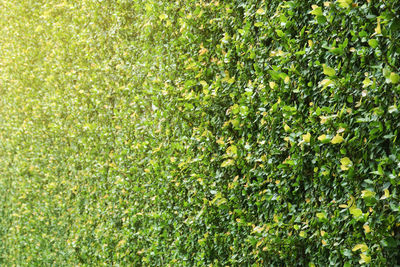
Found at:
[231, 151]
[373, 43]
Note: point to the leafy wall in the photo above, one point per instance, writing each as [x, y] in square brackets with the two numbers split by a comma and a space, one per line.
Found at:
[200, 132]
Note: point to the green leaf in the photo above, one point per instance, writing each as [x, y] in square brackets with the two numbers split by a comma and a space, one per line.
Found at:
[363, 247]
[323, 138]
[326, 82]
[227, 163]
[337, 139]
[367, 82]
[344, 3]
[386, 72]
[307, 137]
[260, 11]
[321, 215]
[280, 33]
[373, 43]
[367, 194]
[364, 258]
[328, 70]
[393, 109]
[356, 212]
[317, 11]
[163, 16]
[346, 163]
[321, 19]
[231, 151]
[394, 77]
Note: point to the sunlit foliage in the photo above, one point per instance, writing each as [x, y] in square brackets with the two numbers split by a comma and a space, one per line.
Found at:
[192, 133]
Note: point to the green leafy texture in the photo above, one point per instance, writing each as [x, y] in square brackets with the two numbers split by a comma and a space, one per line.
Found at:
[153, 133]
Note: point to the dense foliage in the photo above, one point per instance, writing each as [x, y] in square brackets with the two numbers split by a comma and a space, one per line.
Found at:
[199, 132]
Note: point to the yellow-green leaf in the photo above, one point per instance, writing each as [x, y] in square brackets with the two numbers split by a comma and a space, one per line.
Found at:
[363, 247]
[260, 11]
[230, 80]
[378, 29]
[394, 77]
[317, 11]
[328, 70]
[367, 194]
[356, 212]
[307, 137]
[325, 83]
[321, 215]
[232, 151]
[337, 139]
[386, 194]
[228, 162]
[345, 3]
[322, 137]
[367, 82]
[163, 16]
[365, 258]
[346, 163]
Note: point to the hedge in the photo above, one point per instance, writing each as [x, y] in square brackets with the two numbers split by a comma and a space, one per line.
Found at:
[199, 133]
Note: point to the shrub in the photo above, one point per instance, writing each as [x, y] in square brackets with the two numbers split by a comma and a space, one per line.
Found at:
[200, 133]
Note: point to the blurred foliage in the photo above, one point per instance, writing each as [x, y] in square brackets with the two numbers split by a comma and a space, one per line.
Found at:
[194, 133]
